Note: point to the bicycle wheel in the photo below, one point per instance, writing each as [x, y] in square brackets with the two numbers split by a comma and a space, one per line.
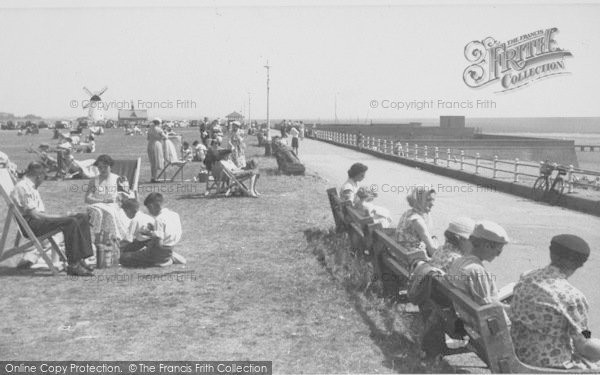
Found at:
[555, 194]
[539, 188]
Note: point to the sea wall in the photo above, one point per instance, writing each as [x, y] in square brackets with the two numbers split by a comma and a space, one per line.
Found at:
[519, 189]
[487, 145]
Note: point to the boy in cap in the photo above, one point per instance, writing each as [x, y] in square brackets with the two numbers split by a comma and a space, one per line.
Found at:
[468, 273]
[549, 315]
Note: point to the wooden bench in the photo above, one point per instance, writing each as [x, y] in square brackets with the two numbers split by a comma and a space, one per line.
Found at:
[488, 331]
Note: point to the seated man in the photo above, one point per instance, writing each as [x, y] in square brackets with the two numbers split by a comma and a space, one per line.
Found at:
[468, 274]
[134, 239]
[164, 234]
[75, 228]
[549, 315]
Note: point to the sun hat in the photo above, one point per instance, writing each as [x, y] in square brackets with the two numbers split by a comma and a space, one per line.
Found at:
[462, 226]
[488, 230]
[156, 119]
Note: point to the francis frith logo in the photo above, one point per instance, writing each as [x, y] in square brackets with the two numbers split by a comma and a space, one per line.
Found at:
[515, 63]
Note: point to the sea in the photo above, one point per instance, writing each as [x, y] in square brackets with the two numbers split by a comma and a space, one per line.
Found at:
[587, 160]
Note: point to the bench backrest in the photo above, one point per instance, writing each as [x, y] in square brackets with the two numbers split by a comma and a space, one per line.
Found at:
[404, 256]
[357, 221]
[337, 208]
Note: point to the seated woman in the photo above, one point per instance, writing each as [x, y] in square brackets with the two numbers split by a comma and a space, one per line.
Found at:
[457, 243]
[550, 316]
[356, 174]
[380, 215]
[413, 230]
[238, 173]
[108, 222]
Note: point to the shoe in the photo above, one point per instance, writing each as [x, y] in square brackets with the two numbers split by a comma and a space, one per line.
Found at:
[24, 264]
[178, 258]
[167, 263]
[77, 270]
[85, 265]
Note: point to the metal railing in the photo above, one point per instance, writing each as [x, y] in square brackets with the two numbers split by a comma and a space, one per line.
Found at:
[499, 168]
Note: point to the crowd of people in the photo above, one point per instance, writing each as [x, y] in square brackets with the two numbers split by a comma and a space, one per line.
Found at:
[547, 315]
[112, 219]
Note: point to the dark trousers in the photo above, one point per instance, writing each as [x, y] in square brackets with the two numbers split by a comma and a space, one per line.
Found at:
[133, 246]
[145, 254]
[76, 232]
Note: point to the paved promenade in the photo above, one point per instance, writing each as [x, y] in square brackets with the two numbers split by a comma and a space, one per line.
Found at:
[530, 225]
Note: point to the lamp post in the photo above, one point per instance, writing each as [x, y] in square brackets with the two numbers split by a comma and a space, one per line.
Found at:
[249, 118]
[268, 144]
[335, 108]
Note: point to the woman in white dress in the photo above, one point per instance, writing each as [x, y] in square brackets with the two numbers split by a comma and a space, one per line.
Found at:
[107, 220]
[156, 136]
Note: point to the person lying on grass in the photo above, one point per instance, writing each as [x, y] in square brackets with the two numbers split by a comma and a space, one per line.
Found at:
[164, 233]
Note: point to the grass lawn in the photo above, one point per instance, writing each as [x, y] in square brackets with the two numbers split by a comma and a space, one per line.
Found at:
[253, 288]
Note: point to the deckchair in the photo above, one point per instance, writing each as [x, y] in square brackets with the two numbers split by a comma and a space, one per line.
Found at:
[232, 181]
[129, 169]
[7, 185]
[173, 160]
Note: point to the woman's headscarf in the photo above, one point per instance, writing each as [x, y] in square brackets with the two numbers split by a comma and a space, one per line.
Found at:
[417, 198]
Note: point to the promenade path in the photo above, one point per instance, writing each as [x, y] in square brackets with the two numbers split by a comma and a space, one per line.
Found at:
[530, 225]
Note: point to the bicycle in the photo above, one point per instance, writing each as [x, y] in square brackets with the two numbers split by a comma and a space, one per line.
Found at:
[547, 189]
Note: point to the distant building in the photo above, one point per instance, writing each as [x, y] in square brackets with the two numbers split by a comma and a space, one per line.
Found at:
[132, 116]
[452, 122]
[234, 116]
[6, 116]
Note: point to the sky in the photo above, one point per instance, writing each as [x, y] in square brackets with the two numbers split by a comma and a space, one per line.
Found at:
[351, 60]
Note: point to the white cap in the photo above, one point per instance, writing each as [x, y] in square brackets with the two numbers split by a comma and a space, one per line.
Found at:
[488, 230]
[462, 226]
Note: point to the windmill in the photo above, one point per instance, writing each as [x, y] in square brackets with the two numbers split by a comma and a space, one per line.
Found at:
[95, 109]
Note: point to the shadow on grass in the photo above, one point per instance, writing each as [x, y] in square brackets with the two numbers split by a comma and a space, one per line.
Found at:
[392, 325]
[12, 271]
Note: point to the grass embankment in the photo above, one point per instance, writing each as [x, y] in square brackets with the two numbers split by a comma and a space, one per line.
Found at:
[252, 288]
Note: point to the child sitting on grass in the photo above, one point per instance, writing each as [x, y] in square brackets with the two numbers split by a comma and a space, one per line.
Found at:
[198, 151]
[379, 214]
[164, 232]
[135, 239]
[186, 152]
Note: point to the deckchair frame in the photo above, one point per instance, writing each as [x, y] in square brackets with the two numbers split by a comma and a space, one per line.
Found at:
[6, 187]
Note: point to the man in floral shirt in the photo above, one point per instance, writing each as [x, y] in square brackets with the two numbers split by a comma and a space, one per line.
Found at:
[549, 315]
